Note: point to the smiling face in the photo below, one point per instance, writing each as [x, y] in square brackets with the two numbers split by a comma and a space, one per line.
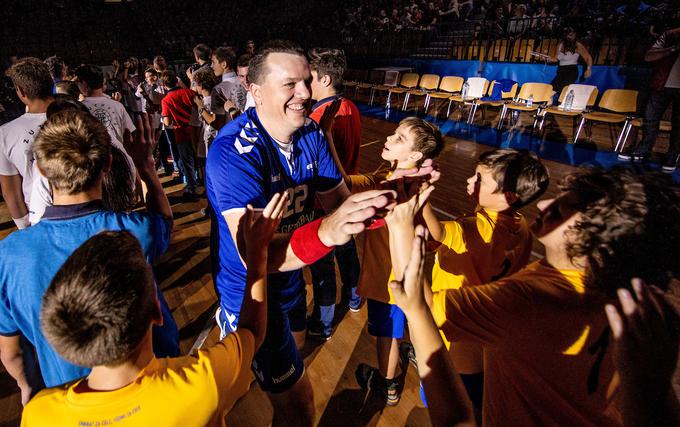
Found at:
[242, 73]
[482, 187]
[556, 216]
[151, 79]
[282, 98]
[399, 148]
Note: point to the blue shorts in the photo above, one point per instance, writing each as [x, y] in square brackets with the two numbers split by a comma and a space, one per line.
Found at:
[277, 365]
[385, 320]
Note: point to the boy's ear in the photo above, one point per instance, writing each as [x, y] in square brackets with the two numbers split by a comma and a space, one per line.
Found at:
[511, 197]
[256, 91]
[20, 92]
[416, 156]
[326, 80]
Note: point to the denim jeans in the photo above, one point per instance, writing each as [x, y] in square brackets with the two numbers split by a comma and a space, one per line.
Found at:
[186, 165]
[658, 102]
[324, 282]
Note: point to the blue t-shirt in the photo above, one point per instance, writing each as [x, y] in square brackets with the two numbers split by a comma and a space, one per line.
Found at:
[30, 258]
[246, 166]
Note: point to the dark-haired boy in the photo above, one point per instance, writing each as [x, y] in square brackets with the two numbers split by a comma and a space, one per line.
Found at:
[327, 67]
[33, 84]
[547, 351]
[93, 321]
[73, 152]
[228, 94]
[489, 244]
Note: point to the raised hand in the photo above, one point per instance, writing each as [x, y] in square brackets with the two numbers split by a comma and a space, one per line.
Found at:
[404, 213]
[258, 230]
[328, 116]
[408, 291]
[645, 335]
[354, 215]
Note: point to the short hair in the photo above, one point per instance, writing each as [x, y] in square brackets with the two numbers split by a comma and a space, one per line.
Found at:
[33, 77]
[328, 62]
[151, 71]
[244, 60]
[205, 78]
[226, 54]
[202, 51]
[101, 302]
[428, 137]
[159, 58]
[517, 171]
[71, 150]
[92, 75]
[628, 227]
[67, 87]
[169, 78]
[258, 70]
[64, 102]
[56, 66]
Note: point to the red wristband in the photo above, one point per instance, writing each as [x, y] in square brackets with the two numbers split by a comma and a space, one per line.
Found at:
[378, 223]
[306, 244]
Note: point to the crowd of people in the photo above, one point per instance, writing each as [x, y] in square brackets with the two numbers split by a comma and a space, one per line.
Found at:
[583, 335]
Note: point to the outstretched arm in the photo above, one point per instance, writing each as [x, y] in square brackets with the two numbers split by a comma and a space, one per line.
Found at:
[448, 403]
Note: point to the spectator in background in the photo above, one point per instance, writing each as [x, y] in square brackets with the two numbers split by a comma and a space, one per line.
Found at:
[242, 74]
[57, 68]
[205, 83]
[665, 84]
[569, 52]
[250, 47]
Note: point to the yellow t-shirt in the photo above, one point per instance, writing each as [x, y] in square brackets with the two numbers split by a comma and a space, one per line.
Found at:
[478, 249]
[545, 360]
[183, 391]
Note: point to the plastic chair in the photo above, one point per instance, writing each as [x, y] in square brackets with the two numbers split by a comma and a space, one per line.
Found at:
[428, 83]
[408, 81]
[375, 77]
[584, 99]
[353, 78]
[664, 126]
[541, 93]
[505, 97]
[477, 87]
[620, 106]
[448, 86]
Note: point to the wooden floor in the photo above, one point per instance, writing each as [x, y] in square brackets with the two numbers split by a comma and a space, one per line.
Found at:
[184, 277]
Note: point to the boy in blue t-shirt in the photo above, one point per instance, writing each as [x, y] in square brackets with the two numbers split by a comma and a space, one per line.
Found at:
[73, 152]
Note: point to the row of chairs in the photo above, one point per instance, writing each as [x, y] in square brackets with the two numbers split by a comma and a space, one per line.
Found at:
[616, 106]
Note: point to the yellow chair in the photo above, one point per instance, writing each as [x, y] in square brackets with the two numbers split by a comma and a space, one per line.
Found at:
[352, 80]
[448, 86]
[619, 106]
[505, 97]
[408, 82]
[573, 113]
[375, 77]
[664, 126]
[428, 83]
[541, 94]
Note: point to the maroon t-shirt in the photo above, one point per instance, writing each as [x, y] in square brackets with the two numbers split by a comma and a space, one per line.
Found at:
[177, 105]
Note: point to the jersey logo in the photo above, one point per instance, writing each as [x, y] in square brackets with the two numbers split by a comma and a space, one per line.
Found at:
[231, 318]
[248, 135]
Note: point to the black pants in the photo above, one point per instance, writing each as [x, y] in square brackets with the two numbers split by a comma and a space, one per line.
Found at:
[566, 75]
[656, 106]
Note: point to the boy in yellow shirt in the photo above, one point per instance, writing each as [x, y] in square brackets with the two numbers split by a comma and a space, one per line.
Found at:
[98, 312]
[488, 244]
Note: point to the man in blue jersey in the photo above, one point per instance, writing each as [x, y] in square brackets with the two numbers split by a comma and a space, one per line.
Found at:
[270, 149]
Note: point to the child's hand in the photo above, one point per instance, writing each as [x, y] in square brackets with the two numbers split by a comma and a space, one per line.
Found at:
[645, 336]
[328, 116]
[404, 213]
[408, 292]
[199, 102]
[258, 231]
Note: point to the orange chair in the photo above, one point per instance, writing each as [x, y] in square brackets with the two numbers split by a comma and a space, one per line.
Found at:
[408, 81]
[505, 98]
[428, 83]
[540, 93]
[448, 86]
[579, 105]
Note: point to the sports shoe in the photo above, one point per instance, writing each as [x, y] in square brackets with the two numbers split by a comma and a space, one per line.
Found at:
[624, 157]
[669, 166]
[355, 305]
[371, 381]
[635, 156]
[317, 330]
[392, 395]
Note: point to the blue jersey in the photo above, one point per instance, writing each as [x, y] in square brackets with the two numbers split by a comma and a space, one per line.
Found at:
[246, 166]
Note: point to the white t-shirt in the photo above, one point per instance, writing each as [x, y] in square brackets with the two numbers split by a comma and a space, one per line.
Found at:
[16, 148]
[111, 114]
[250, 101]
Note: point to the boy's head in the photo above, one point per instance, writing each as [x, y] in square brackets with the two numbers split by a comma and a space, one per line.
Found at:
[202, 53]
[101, 302]
[205, 80]
[617, 224]
[159, 64]
[327, 67]
[89, 78]
[150, 76]
[67, 87]
[242, 70]
[169, 79]
[507, 178]
[223, 60]
[414, 141]
[57, 67]
[72, 150]
[32, 80]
